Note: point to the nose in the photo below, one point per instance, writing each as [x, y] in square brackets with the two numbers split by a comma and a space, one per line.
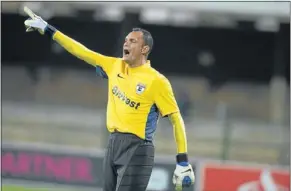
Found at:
[126, 44]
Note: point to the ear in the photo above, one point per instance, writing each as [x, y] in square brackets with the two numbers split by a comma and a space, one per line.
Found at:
[145, 49]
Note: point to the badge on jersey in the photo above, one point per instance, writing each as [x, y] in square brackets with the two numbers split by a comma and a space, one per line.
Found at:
[140, 88]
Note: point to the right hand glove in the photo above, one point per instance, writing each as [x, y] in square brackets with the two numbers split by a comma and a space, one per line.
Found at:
[34, 22]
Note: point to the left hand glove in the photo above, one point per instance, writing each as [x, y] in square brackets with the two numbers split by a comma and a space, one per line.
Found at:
[183, 176]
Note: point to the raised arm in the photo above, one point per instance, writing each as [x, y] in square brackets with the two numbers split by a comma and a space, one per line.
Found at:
[82, 52]
[36, 23]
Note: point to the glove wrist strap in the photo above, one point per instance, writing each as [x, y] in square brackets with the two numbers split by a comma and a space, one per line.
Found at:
[182, 158]
[50, 30]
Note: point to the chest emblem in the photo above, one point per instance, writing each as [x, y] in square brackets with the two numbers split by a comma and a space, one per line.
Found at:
[140, 88]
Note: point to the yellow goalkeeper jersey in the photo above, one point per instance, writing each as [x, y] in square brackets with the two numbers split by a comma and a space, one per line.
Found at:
[136, 96]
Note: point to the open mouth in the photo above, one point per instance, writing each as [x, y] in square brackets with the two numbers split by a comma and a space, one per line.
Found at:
[126, 52]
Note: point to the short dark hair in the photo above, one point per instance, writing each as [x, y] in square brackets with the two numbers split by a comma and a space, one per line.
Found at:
[147, 37]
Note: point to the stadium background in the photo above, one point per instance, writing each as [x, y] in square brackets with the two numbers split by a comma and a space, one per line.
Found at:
[228, 64]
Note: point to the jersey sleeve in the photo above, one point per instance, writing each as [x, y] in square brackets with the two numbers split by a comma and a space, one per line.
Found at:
[103, 63]
[164, 97]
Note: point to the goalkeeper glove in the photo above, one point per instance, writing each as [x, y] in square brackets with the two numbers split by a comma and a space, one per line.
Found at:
[183, 174]
[35, 22]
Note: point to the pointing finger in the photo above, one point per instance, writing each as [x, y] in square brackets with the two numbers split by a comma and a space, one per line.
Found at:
[29, 12]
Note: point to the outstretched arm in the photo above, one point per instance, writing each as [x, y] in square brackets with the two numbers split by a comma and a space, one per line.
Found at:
[80, 51]
[72, 46]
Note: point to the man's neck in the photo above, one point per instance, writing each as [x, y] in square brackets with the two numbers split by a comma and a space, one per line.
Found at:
[137, 63]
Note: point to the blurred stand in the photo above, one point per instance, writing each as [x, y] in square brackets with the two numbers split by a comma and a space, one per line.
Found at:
[229, 67]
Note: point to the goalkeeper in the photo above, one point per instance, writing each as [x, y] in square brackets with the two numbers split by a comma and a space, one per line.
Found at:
[137, 96]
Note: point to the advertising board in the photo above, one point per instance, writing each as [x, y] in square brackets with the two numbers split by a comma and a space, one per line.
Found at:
[226, 177]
